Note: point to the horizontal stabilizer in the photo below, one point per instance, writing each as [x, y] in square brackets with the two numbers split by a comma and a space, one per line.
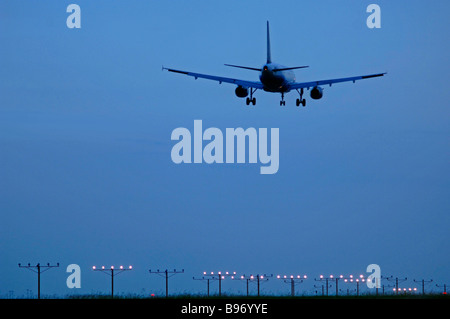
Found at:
[243, 67]
[292, 68]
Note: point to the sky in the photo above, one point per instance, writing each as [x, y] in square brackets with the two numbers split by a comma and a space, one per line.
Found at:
[86, 117]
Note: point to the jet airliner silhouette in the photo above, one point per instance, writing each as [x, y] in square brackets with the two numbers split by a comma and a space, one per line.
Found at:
[275, 78]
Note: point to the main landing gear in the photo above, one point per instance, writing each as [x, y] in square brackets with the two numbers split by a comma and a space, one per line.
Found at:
[248, 101]
[251, 99]
[301, 100]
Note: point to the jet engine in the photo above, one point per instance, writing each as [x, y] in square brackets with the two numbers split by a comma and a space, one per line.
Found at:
[241, 91]
[316, 93]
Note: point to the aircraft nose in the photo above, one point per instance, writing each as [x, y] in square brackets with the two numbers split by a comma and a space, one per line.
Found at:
[265, 68]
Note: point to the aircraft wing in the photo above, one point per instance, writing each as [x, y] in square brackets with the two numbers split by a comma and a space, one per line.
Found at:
[244, 83]
[300, 85]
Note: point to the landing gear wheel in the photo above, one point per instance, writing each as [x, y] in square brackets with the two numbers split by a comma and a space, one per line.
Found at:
[250, 99]
[301, 100]
[282, 103]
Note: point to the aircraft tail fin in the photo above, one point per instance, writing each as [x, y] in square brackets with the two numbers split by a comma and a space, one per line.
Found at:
[269, 58]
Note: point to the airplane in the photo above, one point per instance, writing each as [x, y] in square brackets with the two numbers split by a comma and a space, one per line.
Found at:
[274, 78]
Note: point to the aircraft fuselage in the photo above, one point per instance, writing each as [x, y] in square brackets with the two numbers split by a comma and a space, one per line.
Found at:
[276, 81]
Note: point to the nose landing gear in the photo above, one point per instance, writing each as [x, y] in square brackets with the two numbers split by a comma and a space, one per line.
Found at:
[282, 102]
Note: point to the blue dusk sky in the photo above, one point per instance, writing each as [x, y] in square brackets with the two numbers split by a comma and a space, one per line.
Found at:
[86, 117]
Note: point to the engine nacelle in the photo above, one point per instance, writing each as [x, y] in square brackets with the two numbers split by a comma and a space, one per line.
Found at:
[241, 91]
[316, 93]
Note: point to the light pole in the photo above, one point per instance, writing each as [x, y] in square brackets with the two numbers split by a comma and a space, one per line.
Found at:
[111, 272]
[39, 269]
[423, 281]
[322, 278]
[337, 283]
[219, 276]
[443, 286]
[383, 287]
[397, 280]
[357, 280]
[258, 278]
[243, 277]
[207, 282]
[292, 280]
[166, 274]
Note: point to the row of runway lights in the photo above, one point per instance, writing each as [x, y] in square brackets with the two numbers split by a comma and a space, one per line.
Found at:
[233, 276]
[405, 290]
[350, 278]
[112, 267]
